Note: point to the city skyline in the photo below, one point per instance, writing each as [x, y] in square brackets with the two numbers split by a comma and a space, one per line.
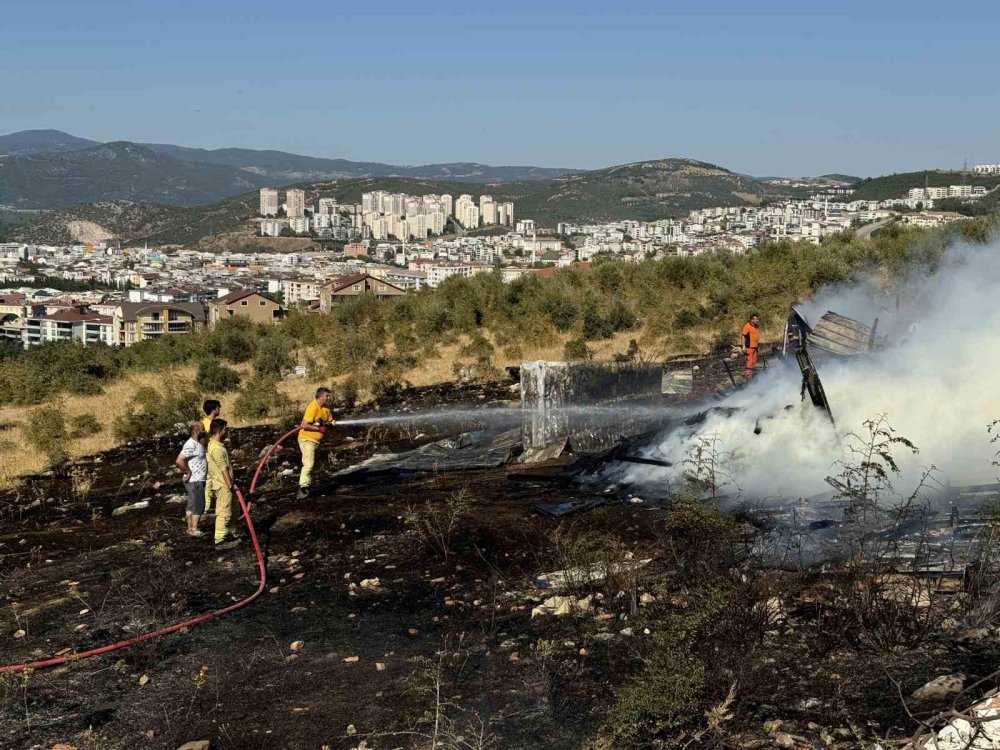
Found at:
[782, 90]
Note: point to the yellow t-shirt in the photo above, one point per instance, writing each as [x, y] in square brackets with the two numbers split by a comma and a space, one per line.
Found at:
[218, 461]
[315, 413]
[207, 422]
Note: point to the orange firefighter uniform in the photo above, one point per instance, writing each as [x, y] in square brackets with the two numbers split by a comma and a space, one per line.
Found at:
[751, 343]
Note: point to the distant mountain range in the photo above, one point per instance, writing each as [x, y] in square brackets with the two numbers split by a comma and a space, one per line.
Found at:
[48, 169]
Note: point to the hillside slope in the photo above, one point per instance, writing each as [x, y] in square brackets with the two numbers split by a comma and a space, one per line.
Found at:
[115, 171]
[284, 167]
[897, 185]
[42, 142]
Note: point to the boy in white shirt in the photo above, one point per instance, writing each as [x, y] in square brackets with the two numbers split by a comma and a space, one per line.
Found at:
[194, 465]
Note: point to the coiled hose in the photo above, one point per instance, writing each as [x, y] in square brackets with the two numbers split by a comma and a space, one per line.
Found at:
[261, 568]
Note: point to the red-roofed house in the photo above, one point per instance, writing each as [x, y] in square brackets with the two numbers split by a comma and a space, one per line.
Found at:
[79, 324]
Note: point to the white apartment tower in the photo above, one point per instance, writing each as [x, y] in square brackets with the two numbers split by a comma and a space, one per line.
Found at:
[505, 214]
[466, 212]
[268, 202]
[295, 203]
[487, 210]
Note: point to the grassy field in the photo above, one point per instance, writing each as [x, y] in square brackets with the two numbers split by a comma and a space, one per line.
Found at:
[19, 458]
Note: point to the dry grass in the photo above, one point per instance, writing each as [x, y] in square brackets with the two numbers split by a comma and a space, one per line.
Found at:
[19, 458]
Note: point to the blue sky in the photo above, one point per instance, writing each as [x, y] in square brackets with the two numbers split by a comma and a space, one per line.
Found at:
[761, 87]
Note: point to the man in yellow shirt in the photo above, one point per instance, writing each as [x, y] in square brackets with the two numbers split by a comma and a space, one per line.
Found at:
[314, 423]
[211, 408]
[219, 487]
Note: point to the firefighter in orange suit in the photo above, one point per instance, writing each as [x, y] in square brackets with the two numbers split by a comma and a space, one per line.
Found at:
[750, 344]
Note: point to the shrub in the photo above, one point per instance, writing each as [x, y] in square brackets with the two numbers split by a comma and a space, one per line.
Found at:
[46, 432]
[155, 412]
[387, 386]
[576, 350]
[349, 393]
[260, 398]
[686, 319]
[621, 318]
[353, 351]
[274, 355]
[214, 377]
[435, 522]
[83, 426]
[234, 340]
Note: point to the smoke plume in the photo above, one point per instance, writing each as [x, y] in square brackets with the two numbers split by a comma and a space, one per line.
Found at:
[936, 382]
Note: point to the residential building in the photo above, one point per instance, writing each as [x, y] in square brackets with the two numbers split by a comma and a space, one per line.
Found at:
[78, 324]
[268, 202]
[300, 290]
[487, 210]
[355, 285]
[295, 203]
[299, 224]
[146, 321]
[245, 303]
[466, 212]
[505, 214]
[272, 227]
[929, 219]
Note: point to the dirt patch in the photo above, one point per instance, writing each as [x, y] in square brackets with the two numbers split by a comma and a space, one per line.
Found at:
[88, 231]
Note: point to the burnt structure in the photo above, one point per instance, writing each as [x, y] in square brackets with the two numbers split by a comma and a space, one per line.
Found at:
[566, 405]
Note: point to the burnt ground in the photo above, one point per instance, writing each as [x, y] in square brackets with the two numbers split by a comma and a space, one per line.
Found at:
[444, 646]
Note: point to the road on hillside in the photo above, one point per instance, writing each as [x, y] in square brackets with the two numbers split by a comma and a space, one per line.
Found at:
[866, 231]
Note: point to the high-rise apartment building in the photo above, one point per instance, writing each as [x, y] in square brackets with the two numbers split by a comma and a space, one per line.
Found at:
[327, 206]
[487, 210]
[295, 203]
[268, 202]
[466, 212]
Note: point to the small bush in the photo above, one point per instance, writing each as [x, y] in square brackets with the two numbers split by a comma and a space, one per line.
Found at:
[46, 432]
[436, 522]
[214, 377]
[155, 412]
[621, 318]
[260, 398]
[274, 356]
[686, 319]
[84, 426]
[349, 393]
[594, 326]
[576, 350]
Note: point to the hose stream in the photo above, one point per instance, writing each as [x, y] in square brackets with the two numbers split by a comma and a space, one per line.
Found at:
[261, 568]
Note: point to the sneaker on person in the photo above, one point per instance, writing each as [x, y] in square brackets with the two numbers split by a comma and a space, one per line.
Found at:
[228, 544]
[196, 532]
[302, 494]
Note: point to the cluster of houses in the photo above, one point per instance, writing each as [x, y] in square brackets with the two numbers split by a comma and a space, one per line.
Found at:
[36, 316]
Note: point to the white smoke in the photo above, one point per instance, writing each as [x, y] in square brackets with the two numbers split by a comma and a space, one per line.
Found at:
[938, 388]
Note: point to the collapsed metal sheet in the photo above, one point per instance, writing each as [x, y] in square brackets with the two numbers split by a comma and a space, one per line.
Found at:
[841, 335]
[466, 452]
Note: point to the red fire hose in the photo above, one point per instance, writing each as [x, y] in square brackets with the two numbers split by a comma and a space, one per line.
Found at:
[261, 567]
